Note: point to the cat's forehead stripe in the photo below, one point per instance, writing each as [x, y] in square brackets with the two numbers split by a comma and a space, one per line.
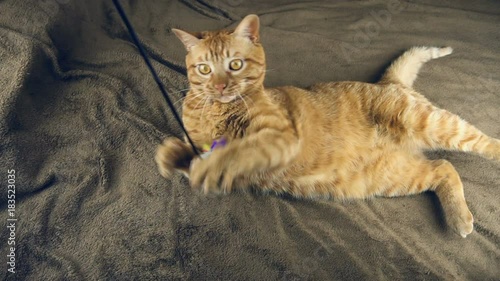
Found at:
[217, 56]
[214, 55]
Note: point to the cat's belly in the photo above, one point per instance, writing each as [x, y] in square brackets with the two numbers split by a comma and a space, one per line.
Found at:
[360, 176]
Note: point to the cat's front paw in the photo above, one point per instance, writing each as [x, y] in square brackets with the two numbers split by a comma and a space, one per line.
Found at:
[173, 154]
[212, 175]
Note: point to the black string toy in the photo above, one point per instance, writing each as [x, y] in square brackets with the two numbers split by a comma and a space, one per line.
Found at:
[137, 43]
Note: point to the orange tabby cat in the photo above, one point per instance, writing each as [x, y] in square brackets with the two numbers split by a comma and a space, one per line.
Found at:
[337, 140]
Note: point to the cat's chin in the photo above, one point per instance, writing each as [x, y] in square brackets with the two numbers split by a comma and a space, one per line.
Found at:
[226, 99]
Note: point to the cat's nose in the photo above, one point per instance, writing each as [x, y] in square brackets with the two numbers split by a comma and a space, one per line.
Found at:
[220, 87]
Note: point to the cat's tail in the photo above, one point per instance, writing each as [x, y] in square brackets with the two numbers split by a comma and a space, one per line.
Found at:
[404, 70]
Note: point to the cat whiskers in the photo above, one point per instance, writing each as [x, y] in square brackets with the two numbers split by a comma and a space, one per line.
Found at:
[243, 99]
[181, 99]
[202, 99]
[188, 98]
[182, 90]
[206, 98]
[249, 84]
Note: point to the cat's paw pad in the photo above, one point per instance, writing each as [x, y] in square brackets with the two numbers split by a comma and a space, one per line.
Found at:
[463, 224]
[173, 154]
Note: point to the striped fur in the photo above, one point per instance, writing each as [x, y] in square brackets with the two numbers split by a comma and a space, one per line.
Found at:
[335, 140]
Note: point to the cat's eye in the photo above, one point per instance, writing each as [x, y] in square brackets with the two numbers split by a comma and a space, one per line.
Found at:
[236, 64]
[204, 69]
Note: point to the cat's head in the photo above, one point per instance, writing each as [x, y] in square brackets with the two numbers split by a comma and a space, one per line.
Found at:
[225, 64]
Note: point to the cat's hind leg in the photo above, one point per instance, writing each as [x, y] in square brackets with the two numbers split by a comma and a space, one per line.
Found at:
[437, 128]
[415, 122]
[441, 177]
[404, 70]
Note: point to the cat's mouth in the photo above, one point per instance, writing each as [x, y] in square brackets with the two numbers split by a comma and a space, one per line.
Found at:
[225, 99]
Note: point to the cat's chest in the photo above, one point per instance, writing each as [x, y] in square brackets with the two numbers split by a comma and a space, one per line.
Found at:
[212, 124]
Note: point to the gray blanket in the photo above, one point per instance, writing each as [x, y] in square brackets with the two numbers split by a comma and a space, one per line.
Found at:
[81, 117]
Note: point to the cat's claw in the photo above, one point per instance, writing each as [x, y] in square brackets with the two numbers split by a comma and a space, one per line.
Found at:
[203, 176]
[210, 175]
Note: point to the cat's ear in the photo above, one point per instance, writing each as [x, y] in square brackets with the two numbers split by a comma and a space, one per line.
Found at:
[189, 40]
[249, 28]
